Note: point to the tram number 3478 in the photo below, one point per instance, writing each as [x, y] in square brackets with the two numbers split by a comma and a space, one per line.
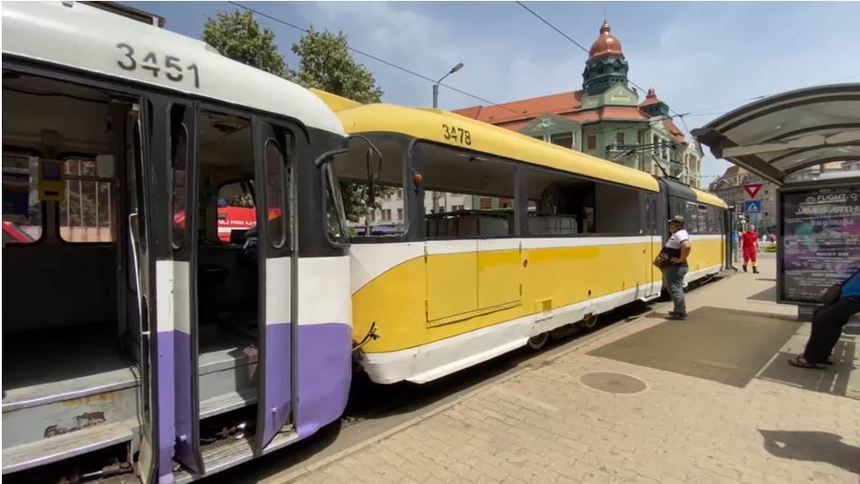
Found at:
[173, 69]
[457, 135]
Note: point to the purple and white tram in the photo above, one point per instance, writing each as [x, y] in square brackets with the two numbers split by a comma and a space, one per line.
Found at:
[135, 339]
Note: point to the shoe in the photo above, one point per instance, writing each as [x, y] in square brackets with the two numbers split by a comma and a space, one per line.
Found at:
[676, 316]
[745, 267]
[755, 270]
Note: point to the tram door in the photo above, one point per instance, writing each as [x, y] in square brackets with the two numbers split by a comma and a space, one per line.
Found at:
[277, 249]
[140, 317]
[651, 229]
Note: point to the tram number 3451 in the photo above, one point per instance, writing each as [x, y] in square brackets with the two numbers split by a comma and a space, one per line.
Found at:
[457, 135]
[172, 67]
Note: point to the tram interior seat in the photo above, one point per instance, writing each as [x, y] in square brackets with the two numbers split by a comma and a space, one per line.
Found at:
[469, 224]
[552, 224]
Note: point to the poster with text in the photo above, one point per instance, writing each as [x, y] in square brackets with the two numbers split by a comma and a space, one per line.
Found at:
[820, 243]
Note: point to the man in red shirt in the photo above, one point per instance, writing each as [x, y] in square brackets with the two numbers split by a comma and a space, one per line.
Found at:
[749, 243]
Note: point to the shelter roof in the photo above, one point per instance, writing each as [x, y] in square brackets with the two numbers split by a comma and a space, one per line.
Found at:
[782, 134]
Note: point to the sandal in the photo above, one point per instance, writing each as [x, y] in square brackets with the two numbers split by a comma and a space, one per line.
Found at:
[800, 362]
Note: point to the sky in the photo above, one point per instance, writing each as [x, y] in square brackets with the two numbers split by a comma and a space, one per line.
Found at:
[702, 58]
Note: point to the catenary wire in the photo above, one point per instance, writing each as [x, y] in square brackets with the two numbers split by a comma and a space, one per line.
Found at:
[378, 59]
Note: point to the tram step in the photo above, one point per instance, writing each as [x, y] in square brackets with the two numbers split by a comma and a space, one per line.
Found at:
[230, 452]
[61, 447]
[227, 402]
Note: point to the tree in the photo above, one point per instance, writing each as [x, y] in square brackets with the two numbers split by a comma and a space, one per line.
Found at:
[237, 35]
[325, 63]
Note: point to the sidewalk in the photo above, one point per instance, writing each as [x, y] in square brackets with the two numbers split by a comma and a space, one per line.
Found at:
[707, 400]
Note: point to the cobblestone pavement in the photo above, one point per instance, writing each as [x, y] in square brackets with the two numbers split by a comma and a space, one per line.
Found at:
[543, 424]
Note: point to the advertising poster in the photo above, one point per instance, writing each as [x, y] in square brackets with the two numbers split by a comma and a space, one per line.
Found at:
[820, 242]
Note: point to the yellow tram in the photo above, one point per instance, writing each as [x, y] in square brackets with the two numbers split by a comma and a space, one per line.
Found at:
[475, 240]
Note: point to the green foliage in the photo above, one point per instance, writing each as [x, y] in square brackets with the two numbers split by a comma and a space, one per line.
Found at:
[356, 198]
[770, 248]
[240, 200]
[325, 63]
[237, 35]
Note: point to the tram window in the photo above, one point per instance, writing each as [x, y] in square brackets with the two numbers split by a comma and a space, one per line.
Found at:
[336, 227]
[236, 212]
[692, 217]
[179, 164]
[22, 211]
[704, 227]
[225, 168]
[369, 213]
[559, 204]
[484, 189]
[276, 183]
[86, 213]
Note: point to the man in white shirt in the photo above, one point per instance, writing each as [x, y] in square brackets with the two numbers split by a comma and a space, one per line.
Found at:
[677, 248]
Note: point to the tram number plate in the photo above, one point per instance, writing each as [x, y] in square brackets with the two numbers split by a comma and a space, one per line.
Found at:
[457, 135]
[169, 66]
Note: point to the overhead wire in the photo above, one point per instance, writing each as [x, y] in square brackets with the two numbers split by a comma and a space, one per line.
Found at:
[378, 59]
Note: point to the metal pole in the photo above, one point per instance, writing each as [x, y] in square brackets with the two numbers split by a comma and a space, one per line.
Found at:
[435, 96]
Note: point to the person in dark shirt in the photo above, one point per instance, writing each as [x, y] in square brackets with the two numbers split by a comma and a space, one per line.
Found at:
[827, 326]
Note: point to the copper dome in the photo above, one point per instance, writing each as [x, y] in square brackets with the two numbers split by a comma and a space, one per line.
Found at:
[606, 44]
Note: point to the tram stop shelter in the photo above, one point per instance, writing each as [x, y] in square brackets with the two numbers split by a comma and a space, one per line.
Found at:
[818, 218]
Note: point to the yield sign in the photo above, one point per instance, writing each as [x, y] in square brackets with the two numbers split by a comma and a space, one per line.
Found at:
[752, 189]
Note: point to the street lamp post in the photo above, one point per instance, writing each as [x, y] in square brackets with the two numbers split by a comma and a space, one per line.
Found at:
[436, 86]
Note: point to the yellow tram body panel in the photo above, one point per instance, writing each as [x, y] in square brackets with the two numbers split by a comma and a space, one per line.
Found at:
[400, 300]
[510, 284]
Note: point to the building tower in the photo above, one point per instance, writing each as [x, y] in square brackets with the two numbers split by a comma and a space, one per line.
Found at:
[606, 64]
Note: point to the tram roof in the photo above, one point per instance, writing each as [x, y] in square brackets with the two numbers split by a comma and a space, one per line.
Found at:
[427, 124]
[709, 198]
[87, 38]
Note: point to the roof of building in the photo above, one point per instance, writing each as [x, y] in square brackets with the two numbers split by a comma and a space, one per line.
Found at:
[606, 44]
[650, 99]
[517, 114]
[674, 131]
[78, 36]
[425, 124]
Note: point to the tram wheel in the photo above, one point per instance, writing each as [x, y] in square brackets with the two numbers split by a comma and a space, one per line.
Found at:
[590, 321]
[539, 341]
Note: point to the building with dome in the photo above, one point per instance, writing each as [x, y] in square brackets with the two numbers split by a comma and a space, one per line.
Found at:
[606, 118]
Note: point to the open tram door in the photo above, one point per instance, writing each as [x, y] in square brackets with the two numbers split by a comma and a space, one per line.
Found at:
[162, 243]
[278, 290]
[141, 270]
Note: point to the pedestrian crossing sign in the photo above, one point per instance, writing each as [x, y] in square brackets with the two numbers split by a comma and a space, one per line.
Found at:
[752, 206]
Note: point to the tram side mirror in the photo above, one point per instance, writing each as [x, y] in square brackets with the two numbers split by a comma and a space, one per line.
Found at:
[330, 157]
[105, 166]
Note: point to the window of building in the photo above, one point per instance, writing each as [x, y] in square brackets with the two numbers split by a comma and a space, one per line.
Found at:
[22, 210]
[619, 138]
[464, 194]
[386, 214]
[399, 214]
[562, 139]
[86, 211]
[592, 142]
